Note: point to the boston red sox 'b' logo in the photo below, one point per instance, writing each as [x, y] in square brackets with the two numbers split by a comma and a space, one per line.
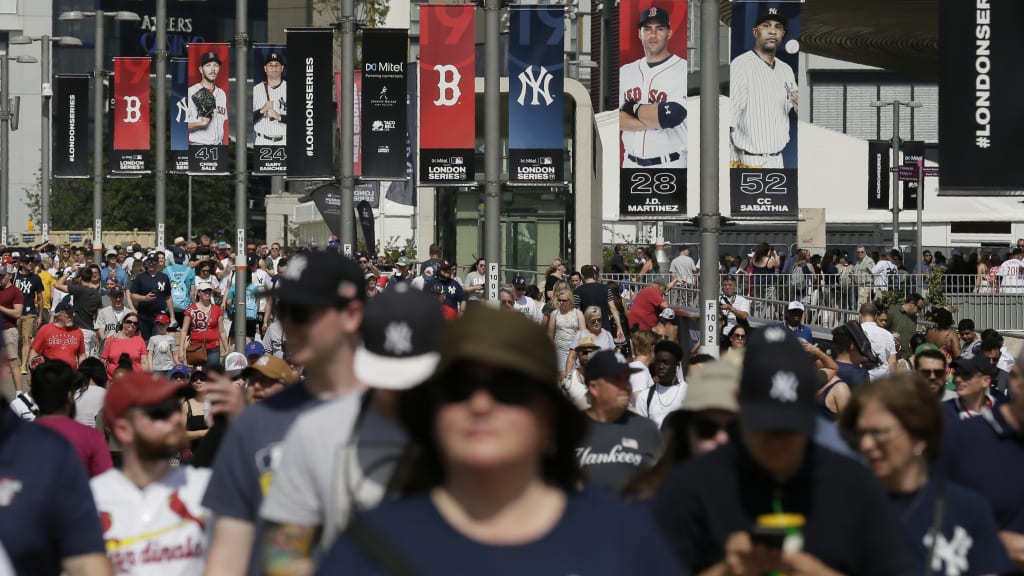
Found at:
[652, 12]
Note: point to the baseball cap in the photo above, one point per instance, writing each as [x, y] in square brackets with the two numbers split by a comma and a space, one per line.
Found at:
[111, 252]
[778, 383]
[234, 363]
[179, 240]
[402, 261]
[204, 285]
[209, 57]
[519, 282]
[667, 314]
[179, 369]
[320, 279]
[713, 387]
[587, 343]
[162, 319]
[222, 245]
[115, 291]
[654, 14]
[180, 256]
[273, 57]
[795, 305]
[26, 257]
[67, 304]
[137, 389]
[152, 259]
[444, 265]
[401, 331]
[771, 14]
[606, 363]
[274, 368]
[974, 365]
[254, 348]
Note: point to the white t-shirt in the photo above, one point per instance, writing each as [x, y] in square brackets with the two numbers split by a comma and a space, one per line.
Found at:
[529, 308]
[1010, 281]
[884, 346]
[575, 389]
[740, 303]
[665, 399]
[89, 404]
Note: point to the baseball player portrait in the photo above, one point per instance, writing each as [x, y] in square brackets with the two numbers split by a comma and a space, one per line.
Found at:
[763, 95]
[270, 103]
[652, 90]
[207, 103]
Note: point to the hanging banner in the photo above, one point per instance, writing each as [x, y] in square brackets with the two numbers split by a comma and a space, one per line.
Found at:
[177, 158]
[364, 214]
[71, 126]
[269, 73]
[368, 192]
[404, 191]
[130, 116]
[207, 108]
[327, 199]
[536, 95]
[353, 124]
[980, 83]
[879, 153]
[652, 108]
[310, 134]
[448, 106]
[764, 98]
[913, 153]
[385, 52]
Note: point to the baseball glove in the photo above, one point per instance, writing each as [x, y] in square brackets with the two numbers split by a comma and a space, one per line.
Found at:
[205, 103]
[738, 164]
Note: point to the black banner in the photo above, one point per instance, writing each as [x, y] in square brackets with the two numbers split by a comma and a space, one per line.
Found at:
[310, 143]
[365, 215]
[327, 199]
[879, 184]
[384, 101]
[980, 84]
[913, 153]
[764, 195]
[71, 126]
[404, 192]
[367, 192]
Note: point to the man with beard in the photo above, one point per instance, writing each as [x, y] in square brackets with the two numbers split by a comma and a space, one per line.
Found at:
[207, 126]
[454, 296]
[150, 511]
[150, 293]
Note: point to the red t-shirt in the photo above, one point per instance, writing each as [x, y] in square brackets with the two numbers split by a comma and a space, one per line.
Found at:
[646, 307]
[9, 297]
[113, 347]
[56, 343]
[205, 327]
[89, 442]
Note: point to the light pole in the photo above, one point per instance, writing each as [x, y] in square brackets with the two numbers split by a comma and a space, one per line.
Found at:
[47, 94]
[6, 116]
[97, 111]
[895, 143]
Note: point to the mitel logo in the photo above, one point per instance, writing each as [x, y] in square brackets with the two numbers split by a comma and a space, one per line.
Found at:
[395, 67]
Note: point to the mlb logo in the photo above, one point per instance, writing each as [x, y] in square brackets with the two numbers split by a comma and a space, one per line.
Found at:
[545, 161]
[630, 443]
[457, 160]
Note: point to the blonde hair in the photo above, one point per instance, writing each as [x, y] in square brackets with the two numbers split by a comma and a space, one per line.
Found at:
[592, 312]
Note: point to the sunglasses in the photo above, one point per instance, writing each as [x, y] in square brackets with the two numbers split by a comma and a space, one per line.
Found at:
[738, 336]
[965, 375]
[706, 429]
[161, 411]
[931, 373]
[505, 386]
[562, 300]
[296, 313]
[131, 322]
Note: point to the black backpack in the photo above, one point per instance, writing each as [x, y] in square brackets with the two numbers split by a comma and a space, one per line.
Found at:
[860, 339]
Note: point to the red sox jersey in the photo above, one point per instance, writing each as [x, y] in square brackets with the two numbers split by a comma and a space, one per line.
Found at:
[664, 82]
[159, 530]
[212, 133]
[269, 131]
[759, 95]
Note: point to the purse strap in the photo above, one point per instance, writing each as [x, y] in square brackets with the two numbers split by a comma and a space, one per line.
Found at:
[377, 548]
[936, 529]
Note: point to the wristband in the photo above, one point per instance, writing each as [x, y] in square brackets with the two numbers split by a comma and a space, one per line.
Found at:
[631, 108]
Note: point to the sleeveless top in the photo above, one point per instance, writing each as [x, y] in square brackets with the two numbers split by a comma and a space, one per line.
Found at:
[194, 422]
[566, 328]
[823, 408]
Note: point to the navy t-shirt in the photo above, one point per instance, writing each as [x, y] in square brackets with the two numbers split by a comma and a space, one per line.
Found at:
[969, 543]
[159, 284]
[852, 374]
[30, 285]
[597, 535]
[47, 512]
[454, 295]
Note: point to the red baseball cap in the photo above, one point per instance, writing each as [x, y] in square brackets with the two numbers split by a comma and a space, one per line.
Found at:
[162, 319]
[137, 389]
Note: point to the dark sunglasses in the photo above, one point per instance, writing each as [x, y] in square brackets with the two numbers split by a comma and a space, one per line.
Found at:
[161, 411]
[706, 429]
[964, 375]
[505, 386]
[931, 373]
[738, 336]
[296, 313]
[131, 322]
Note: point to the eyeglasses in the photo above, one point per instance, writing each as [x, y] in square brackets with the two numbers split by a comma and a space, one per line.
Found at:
[297, 313]
[563, 300]
[965, 375]
[505, 386]
[130, 322]
[993, 360]
[364, 261]
[738, 337]
[706, 429]
[878, 435]
[861, 252]
[585, 352]
[594, 321]
[161, 411]
[931, 373]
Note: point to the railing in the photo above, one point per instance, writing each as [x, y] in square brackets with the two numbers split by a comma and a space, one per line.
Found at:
[831, 299]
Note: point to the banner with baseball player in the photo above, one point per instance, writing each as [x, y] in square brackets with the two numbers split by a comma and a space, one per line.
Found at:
[385, 56]
[913, 154]
[652, 108]
[448, 106]
[177, 157]
[71, 126]
[130, 114]
[354, 123]
[879, 159]
[207, 108]
[764, 100]
[269, 108]
[310, 131]
[536, 95]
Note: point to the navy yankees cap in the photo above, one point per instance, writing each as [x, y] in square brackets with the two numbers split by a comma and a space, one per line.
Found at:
[209, 57]
[777, 383]
[654, 14]
[771, 14]
[401, 333]
[320, 279]
[273, 57]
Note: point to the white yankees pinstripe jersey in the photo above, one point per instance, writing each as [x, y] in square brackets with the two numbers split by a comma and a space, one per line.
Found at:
[270, 132]
[160, 530]
[664, 82]
[759, 95]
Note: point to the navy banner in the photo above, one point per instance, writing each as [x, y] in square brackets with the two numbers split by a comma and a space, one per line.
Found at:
[71, 126]
[385, 55]
[536, 95]
[764, 98]
[311, 130]
[177, 159]
[269, 75]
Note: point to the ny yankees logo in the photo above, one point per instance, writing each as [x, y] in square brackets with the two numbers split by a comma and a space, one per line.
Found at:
[132, 109]
[541, 86]
[952, 553]
[398, 338]
[784, 387]
[182, 107]
[9, 488]
[773, 11]
[448, 78]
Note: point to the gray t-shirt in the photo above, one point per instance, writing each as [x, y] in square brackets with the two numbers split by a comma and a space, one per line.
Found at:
[614, 452]
[325, 469]
[683, 267]
[162, 347]
[248, 458]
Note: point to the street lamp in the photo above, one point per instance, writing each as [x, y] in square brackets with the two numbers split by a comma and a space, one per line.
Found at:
[5, 117]
[47, 93]
[97, 110]
[895, 164]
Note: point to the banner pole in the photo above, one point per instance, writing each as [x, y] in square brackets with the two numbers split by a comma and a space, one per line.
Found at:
[347, 184]
[160, 119]
[492, 139]
[710, 218]
[241, 168]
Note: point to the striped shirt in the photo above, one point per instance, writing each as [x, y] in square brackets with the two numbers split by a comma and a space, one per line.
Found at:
[759, 95]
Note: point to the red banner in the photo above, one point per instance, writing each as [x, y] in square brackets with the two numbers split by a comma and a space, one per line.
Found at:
[207, 108]
[355, 125]
[447, 93]
[130, 115]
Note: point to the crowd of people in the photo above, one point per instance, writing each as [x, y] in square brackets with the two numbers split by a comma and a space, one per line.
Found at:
[383, 418]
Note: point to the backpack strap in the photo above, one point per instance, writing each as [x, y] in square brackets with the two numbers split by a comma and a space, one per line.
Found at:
[650, 397]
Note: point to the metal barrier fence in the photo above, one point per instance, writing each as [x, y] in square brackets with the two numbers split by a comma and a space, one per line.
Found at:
[831, 299]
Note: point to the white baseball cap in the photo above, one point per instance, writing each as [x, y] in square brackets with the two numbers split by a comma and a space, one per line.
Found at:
[796, 305]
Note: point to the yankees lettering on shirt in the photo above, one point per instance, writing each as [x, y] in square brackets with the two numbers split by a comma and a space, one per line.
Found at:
[657, 83]
[760, 99]
[587, 457]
